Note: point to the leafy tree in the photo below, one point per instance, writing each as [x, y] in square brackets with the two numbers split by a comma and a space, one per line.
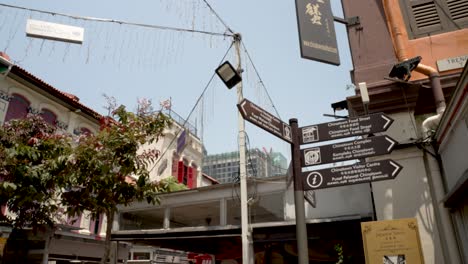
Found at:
[33, 158]
[109, 168]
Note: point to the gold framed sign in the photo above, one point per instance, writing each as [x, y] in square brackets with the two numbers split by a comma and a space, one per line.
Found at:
[392, 242]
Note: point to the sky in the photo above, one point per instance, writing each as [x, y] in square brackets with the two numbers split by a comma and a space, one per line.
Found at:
[129, 62]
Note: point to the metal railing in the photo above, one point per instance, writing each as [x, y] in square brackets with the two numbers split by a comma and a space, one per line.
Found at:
[181, 121]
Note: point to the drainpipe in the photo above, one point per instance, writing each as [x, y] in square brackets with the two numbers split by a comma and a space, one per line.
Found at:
[400, 41]
[443, 219]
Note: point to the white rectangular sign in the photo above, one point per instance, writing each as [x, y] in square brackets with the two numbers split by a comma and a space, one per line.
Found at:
[452, 63]
[53, 31]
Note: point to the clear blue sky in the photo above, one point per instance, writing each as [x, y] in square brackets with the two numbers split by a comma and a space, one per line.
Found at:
[131, 62]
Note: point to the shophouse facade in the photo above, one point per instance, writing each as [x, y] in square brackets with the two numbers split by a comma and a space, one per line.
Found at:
[22, 92]
[391, 35]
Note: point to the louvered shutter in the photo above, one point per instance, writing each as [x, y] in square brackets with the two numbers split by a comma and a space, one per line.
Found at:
[458, 10]
[190, 178]
[424, 17]
[430, 17]
[180, 172]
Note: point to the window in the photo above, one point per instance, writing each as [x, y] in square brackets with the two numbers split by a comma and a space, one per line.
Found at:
[18, 108]
[49, 116]
[186, 174]
[74, 221]
[429, 17]
[84, 131]
[95, 225]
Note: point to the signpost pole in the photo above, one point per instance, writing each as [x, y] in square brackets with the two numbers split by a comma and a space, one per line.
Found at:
[301, 228]
[246, 245]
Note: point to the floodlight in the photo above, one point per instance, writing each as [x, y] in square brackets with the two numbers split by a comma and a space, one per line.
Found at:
[228, 74]
[341, 105]
[402, 70]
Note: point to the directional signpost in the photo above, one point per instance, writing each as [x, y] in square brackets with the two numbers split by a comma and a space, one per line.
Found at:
[358, 126]
[356, 149]
[260, 117]
[351, 174]
[330, 177]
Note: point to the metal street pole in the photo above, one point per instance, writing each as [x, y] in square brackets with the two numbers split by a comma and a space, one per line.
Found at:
[365, 103]
[301, 228]
[247, 252]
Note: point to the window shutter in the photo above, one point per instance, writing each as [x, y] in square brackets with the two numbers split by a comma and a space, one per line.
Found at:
[49, 116]
[180, 172]
[175, 164]
[458, 10]
[430, 17]
[17, 108]
[190, 177]
[424, 17]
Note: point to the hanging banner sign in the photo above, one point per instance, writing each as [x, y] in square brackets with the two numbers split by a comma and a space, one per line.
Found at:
[53, 31]
[317, 35]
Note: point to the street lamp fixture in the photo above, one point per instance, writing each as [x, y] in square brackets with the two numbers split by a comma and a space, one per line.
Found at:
[402, 70]
[228, 74]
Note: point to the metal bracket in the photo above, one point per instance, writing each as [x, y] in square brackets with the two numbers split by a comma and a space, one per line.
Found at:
[349, 21]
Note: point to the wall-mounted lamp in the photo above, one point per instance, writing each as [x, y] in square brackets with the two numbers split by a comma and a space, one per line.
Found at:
[228, 74]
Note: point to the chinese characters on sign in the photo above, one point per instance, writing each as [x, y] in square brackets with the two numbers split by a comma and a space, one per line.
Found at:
[313, 10]
[317, 31]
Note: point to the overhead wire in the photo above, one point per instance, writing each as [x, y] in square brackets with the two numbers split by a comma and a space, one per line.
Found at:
[193, 108]
[122, 22]
[260, 79]
[220, 19]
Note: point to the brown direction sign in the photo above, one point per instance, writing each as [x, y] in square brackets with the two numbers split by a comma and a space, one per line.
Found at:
[351, 174]
[356, 149]
[261, 118]
[346, 128]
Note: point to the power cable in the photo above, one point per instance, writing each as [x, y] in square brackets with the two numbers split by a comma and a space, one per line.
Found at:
[261, 81]
[216, 14]
[121, 22]
[254, 170]
[193, 108]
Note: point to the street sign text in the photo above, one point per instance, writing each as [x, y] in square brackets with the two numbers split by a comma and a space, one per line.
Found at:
[347, 128]
[261, 118]
[351, 174]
